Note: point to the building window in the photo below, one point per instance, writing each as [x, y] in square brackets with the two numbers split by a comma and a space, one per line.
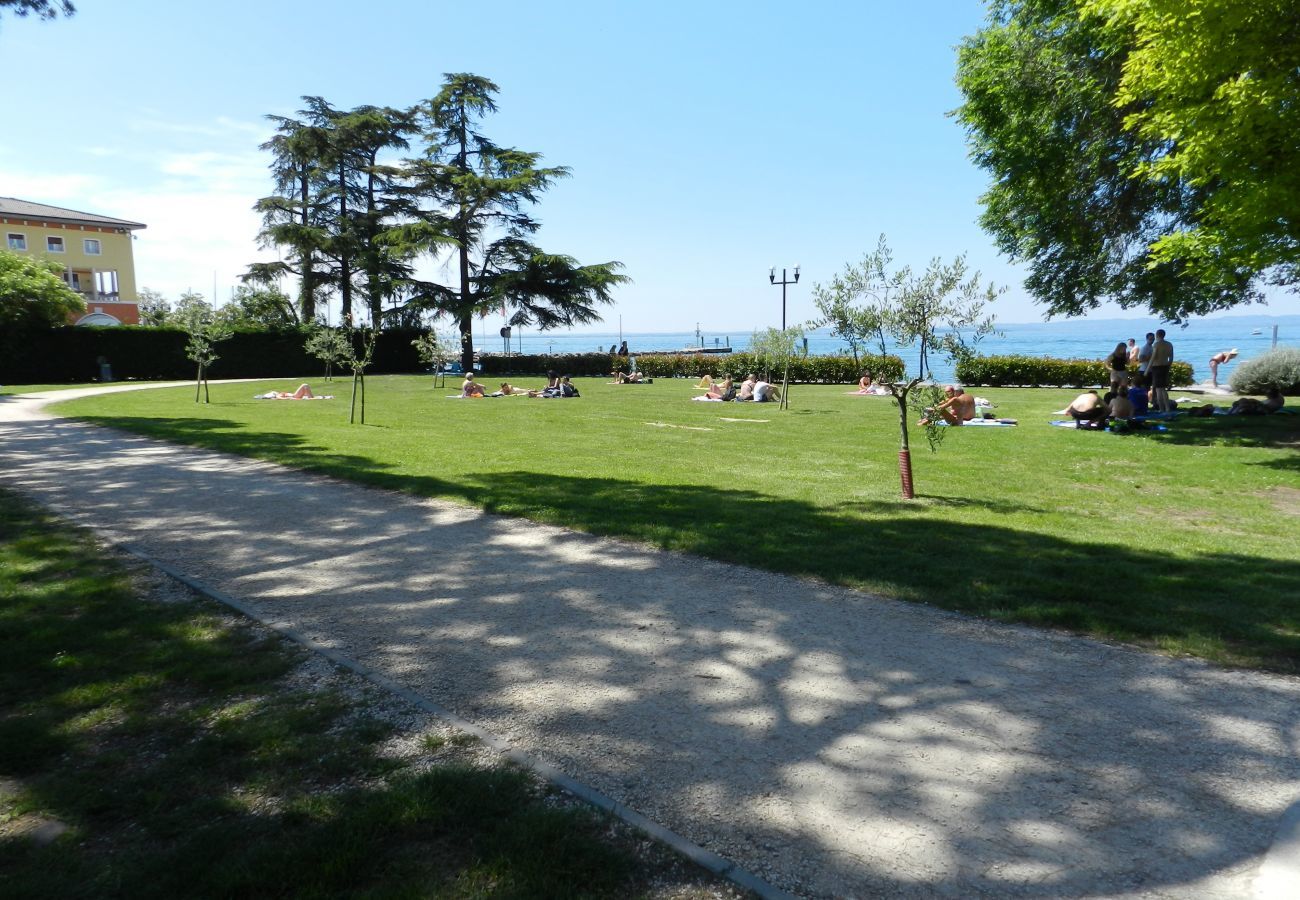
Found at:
[92, 246]
[17, 241]
[54, 244]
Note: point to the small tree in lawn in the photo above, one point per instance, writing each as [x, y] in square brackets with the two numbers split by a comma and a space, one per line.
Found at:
[940, 310]
[330, 346]
[437, 348]
[359, 352]
[774, 349]
[205, 331]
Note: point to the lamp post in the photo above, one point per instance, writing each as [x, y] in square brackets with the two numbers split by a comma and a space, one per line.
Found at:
[771, 275]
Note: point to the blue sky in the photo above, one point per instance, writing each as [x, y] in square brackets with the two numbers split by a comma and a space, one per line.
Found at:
[708, 141]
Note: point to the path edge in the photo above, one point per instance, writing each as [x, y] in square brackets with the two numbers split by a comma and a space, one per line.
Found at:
[705, 859]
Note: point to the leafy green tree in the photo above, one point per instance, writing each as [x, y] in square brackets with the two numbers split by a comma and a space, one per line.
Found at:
[775, 348]
[940, 310]
[1218, 85]
[436, 349]
[329, 345]
[155, 311]
[476, 194]
[358, 354]
[296, 217]
[33, 298]
[1070, 196]
[263, 308]
[205, 330]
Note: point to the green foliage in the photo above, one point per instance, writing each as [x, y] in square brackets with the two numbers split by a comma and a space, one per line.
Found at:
[155, 311]
[204, 330]
[1041, 371]
[803, 369]
[259, 307]
[475, 197]
[1141, 152]
[329, 345]
[32, 293]
[1217, 85]
[1278, 368]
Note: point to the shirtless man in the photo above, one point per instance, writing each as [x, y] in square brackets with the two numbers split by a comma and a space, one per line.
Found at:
[471, 388]
[1087, 410]
[956, 408]
[1162, 357]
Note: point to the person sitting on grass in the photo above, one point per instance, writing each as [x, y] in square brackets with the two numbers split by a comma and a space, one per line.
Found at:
[629, 378]
[1087, 410]
[865, 383]
[706, 382]
[471, 388]
[723, 390]
[1137, 394]
[1118, 406]
[764, 392]
[956, 408]
[746, 392]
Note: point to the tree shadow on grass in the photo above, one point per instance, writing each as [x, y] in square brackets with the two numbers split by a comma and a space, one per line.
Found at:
[894, 548]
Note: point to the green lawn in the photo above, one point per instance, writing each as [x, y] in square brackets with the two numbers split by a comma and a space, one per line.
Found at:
[1183, 540]
[163, 735]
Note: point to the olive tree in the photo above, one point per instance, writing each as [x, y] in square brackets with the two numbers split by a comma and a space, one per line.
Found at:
[936, 311]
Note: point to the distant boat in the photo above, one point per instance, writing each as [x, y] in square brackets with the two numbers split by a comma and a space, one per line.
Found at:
[1258, 331]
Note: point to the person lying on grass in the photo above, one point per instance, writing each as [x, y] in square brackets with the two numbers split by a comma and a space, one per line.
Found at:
[629, 378]
[303, 393]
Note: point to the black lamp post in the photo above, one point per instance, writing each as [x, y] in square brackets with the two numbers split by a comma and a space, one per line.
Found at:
[771, 275]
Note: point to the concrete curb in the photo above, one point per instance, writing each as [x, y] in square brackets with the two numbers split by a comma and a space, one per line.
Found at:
[705, 859]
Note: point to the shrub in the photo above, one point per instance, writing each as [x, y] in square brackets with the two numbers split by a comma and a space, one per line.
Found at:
[1279, 368]
[803, 369]
[576, 364]
[1044, 371]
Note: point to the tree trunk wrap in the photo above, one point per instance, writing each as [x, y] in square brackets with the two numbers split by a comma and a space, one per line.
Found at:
[905, 472]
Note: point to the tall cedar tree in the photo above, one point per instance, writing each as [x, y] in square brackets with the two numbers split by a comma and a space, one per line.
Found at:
[479, 195]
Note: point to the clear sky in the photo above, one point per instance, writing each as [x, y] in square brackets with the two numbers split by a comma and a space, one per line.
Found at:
[708, 140]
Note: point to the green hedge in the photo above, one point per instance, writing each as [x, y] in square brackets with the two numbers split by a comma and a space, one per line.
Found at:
[577, 364]
[72, 354]
[803, 369]
[1043, 371]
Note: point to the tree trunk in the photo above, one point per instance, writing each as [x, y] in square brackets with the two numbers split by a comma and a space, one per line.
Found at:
[352, 412]
[198, 383]
[306, 263]
[785, 388]
[363, 398]
[905, 450]
[467, 341]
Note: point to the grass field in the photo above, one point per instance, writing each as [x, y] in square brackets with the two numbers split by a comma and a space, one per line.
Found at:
[188, 754]
[1182, 540]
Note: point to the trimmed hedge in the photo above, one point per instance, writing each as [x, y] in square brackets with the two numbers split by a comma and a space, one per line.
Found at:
[72, 355]
[803, 369]
[576, 364]
[1278, 368]
[1044, 371]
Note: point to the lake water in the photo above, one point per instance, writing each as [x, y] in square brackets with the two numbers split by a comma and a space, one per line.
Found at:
[1064, 339]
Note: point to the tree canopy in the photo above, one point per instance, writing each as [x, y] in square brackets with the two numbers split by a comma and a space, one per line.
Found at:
[33, 297]
[356, 218]
[42, 9]
[1084, 149]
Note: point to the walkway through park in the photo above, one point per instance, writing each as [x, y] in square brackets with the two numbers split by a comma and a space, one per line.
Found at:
[833, 743]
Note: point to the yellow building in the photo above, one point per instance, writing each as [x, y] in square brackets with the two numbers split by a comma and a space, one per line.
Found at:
[94, 250]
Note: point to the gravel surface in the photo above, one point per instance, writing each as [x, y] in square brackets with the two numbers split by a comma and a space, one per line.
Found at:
[831, 742]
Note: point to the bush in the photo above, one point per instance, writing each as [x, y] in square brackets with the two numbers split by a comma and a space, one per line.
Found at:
[1044, 371]
[71, 354]
[803, 369]
[576, 364]
[1279, 368]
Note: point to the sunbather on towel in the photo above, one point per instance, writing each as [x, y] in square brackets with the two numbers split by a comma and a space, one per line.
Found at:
[471, 388]
[303, 393]
[957, 407]
[1087, 410]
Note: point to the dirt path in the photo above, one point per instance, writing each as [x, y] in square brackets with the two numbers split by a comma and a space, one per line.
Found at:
[834, 743]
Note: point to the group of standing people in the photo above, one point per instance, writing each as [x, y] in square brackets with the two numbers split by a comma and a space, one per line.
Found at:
[1153, 359]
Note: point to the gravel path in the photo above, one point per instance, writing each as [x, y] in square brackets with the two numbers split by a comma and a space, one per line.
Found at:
[832, 742]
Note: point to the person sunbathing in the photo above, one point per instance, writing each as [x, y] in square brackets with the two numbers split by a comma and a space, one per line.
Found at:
[471, 388]
[1249, 406]
[722, 391]
[303, 393]
[629, 378]
[706, 382]
[865, 383]
[957, 407]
